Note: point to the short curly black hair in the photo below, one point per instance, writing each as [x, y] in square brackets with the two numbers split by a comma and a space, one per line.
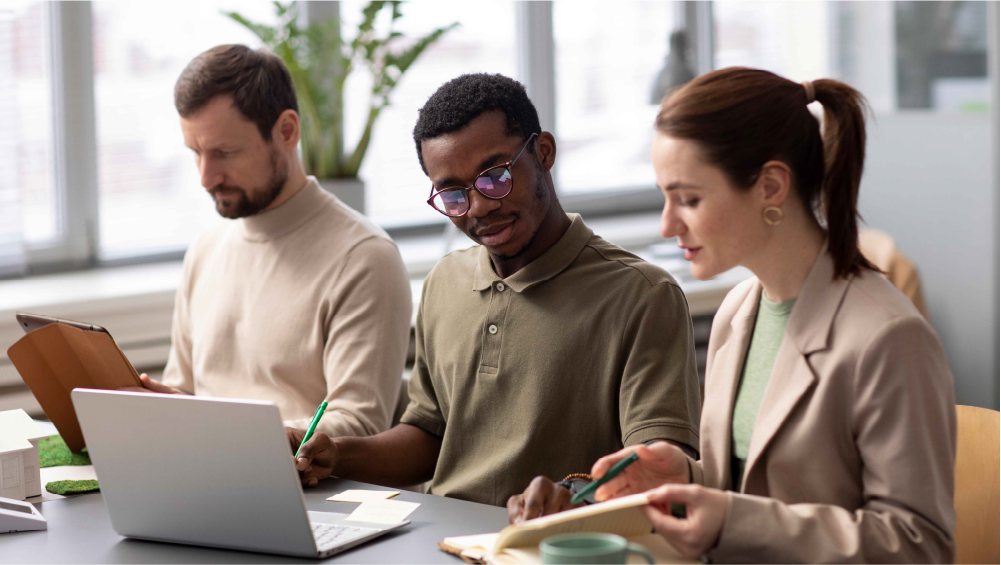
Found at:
[460, 100]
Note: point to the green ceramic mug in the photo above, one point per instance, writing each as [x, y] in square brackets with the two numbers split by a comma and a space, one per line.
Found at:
[589, 548]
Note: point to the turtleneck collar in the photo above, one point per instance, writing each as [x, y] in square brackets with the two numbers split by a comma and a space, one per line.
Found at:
[292, 214]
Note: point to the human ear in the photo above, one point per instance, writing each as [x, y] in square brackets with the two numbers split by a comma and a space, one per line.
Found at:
[774, 182]
[545, 145]
[286, 129]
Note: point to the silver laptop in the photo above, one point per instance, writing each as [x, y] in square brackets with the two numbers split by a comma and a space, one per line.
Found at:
[206, 471]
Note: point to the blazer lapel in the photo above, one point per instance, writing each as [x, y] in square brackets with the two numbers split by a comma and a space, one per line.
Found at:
[807, 331]
[791, 378]
[721, 389]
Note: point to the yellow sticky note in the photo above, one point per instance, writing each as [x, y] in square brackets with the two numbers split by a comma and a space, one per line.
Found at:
[363, 495]
[382, 511]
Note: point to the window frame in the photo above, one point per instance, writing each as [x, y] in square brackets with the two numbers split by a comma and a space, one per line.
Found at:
[74, 143]
[77, 245]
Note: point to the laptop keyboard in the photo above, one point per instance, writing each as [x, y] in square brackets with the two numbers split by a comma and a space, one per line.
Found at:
[329, 536]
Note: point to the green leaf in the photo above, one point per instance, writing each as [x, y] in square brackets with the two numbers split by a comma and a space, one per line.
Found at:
[263, 32]
[407, 58]
[320, 60]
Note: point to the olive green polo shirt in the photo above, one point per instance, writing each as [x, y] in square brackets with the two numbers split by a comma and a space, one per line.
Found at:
[584, 350]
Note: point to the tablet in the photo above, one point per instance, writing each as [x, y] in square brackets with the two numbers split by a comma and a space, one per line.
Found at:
[31, 322]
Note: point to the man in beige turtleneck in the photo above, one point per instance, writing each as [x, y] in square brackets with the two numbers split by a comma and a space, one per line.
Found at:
[298, 299]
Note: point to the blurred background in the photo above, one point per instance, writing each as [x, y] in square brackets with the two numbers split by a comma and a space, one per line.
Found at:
[99, 198]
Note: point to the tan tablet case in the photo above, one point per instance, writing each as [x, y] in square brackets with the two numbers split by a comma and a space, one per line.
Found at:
[55, 359]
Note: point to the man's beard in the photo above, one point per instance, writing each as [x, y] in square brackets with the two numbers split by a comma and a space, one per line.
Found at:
[542, 203]
[245, 205]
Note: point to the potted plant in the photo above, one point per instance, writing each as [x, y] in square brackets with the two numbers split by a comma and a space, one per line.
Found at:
[320, 62]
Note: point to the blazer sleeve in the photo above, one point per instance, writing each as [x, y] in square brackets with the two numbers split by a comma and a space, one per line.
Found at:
[904, 421]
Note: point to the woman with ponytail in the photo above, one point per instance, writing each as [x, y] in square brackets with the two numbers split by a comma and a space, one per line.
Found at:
[828, 431]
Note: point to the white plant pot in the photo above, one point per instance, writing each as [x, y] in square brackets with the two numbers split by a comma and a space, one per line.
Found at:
[350, 191]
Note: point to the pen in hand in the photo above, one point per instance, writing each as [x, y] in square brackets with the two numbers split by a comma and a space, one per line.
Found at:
[615, 470]
[312, 426]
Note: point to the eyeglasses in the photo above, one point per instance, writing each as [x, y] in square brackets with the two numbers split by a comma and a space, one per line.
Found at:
[494, 183]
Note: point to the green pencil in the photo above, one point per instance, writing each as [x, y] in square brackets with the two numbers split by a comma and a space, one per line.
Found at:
[312, 426]
[615, 470]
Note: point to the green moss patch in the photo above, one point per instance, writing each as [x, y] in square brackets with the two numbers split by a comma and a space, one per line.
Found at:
[52, 452]
[67, 488]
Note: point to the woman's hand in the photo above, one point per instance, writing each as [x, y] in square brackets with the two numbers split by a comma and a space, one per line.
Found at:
[699, 531]
[658, 463]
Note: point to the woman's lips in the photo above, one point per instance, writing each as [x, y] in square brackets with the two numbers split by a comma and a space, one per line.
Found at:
[690, 252]
[499, 237]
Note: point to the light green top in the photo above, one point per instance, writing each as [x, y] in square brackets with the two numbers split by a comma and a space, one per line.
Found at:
[769, 327]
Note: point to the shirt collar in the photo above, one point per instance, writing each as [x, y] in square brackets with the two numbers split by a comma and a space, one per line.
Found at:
[546, 266]
[286, 218]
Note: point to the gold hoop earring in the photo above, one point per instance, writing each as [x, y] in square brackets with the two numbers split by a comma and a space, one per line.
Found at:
[773, 220]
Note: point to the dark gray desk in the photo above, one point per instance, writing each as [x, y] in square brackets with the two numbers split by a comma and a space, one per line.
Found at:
[80, 532]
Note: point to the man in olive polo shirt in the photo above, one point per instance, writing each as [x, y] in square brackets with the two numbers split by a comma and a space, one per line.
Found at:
[538, 351]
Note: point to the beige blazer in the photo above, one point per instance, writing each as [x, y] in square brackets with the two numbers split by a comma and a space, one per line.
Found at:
[851, 459]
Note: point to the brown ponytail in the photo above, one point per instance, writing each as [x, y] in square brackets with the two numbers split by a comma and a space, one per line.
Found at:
[742, 118]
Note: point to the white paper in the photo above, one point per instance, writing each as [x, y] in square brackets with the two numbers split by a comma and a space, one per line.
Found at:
[363, 495]
[382, 511]
[62, 473]
[481, 541]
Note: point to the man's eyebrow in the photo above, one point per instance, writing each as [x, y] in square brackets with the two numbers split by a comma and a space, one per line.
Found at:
[485, 164]
[490, 161]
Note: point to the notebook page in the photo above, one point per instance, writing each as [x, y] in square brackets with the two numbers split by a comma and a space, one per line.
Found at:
[623, 516]
[479, 541]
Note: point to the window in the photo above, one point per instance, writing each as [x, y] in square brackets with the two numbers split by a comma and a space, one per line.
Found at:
[150, 196]
[788, 38]
[607, 66]
[900, 55]
[604, 60]
[29, 211]
[396, 187]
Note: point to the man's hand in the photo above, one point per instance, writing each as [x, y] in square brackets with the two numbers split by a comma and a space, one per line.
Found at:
[658, 463]
[699, 531]
[316, 459]
[149, 385]
[542, 497]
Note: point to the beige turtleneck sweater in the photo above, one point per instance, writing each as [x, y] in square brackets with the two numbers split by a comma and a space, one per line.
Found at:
[300, 304]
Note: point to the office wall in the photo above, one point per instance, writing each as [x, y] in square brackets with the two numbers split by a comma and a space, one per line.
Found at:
[929, 183]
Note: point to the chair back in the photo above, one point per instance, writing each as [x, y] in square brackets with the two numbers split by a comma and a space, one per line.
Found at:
[977, 478]
[880, 249]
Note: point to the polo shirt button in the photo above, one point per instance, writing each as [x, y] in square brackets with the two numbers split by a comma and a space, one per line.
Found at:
[500, 287]
[492, 328]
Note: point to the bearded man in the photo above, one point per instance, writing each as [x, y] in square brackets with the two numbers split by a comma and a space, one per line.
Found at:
[298, 299]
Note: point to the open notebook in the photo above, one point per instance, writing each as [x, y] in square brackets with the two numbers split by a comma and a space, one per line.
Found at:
[520, 543]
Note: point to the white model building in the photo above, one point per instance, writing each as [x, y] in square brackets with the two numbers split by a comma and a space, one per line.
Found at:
[12, 451]
[18, 425]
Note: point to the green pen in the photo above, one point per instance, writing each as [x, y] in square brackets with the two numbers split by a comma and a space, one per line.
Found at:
[312, 426]
[615, 470]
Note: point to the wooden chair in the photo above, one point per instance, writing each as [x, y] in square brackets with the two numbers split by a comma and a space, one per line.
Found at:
[977, 477]
[880, 249]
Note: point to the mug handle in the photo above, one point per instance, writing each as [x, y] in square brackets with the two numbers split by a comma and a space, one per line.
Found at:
[641, 551]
